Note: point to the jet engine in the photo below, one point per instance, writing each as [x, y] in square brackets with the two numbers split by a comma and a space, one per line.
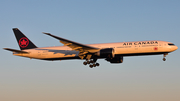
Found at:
[116, 59]
[106, 53]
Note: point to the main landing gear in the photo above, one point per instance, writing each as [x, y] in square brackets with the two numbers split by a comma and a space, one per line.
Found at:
[92, 63]
[164, 55]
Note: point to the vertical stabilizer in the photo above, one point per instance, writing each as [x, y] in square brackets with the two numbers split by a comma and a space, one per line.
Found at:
[23, 41]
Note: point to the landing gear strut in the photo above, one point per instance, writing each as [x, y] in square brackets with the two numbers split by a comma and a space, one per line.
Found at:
[164, 55]
[92, 63]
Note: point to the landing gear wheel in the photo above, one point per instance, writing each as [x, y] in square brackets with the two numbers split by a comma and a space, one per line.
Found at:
[164, 59]
[85, 63]
[88, 62]
[97, 64]
[91, 61]
[94, 65]
[91, 66]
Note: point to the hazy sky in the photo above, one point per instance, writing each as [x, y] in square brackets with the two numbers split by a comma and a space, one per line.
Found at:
[143, 78]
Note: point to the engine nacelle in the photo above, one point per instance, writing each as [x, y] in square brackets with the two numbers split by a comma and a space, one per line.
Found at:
[117, 59]
[106, 53]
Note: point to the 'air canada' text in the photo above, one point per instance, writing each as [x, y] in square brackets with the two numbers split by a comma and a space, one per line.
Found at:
[141, 43]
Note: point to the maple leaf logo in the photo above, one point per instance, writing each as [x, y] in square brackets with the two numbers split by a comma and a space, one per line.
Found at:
[155, 48]
[23, 42]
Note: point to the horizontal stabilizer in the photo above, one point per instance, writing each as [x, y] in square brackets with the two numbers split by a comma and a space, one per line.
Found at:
[14, 50]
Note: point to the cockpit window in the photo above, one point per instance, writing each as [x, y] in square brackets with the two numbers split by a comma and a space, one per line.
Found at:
[170, 44]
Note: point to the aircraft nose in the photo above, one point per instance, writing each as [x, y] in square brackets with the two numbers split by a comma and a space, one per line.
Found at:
[173, 48]
[176, 48]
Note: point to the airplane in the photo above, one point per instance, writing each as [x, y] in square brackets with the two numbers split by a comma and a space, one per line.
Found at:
[111, 52]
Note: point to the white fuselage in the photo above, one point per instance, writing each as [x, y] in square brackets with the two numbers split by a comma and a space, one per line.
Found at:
[120, 48]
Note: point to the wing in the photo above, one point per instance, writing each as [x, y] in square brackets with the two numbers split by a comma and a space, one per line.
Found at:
[83, 49]
[14, 50]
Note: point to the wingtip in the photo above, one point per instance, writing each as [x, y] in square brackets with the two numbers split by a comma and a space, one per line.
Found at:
[5, 48]
[46, 33]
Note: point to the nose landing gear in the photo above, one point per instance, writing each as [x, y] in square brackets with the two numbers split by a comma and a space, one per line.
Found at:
[164, 55]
